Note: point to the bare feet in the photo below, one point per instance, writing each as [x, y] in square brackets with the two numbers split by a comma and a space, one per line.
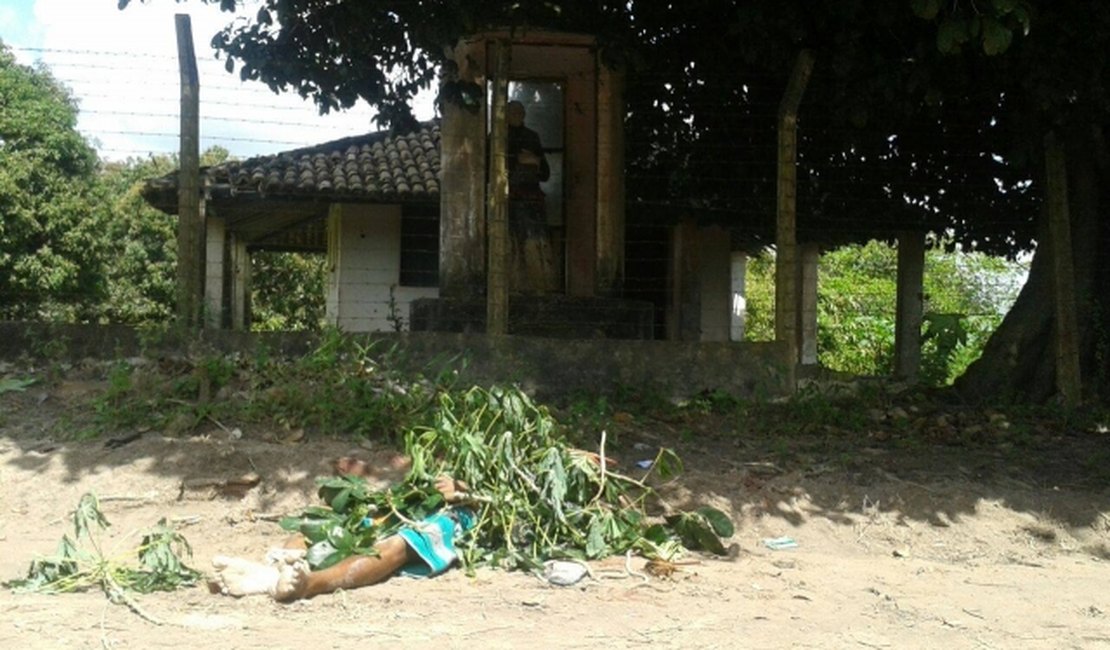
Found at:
[238, 577]
[292, 582]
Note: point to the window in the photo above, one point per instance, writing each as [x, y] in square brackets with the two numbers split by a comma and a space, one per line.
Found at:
[543, 105]
[419, 245]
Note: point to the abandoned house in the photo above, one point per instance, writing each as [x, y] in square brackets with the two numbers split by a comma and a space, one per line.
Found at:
[403, 219]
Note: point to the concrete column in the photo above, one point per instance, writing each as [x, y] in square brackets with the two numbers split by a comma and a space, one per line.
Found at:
[910, 305]
[240, 261]
[462, 229]
[215, 242]
[610, 181]
[684, 312]
[808, 257]
[715, 287]
[332, 297]
[738, 316]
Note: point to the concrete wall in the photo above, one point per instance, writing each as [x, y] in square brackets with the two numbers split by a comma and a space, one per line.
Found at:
[364, 255]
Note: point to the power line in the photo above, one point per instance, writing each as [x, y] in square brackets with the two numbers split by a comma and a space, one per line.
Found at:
[229, 138]
[236, 120]
[118, 53]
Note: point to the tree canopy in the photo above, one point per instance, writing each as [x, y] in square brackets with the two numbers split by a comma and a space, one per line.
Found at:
[49, 244]
[906, 99]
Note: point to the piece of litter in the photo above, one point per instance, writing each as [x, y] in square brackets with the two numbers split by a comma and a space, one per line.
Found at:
[562, 573]
[780, 543]
[644, 464]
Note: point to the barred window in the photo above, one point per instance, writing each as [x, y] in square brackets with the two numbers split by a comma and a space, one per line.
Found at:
[420, 245]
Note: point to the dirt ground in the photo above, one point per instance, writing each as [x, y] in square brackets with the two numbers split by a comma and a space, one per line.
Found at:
[898, 546]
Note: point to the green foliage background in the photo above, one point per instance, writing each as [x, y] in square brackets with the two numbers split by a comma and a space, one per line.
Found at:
[77, 241]
[51, 245]
[966, 296]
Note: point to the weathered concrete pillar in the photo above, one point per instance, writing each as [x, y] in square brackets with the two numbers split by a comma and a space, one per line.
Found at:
[786, 253]
[910, 305]
[610, 182]
[715, 287]
[332, 297]
[240, 261]
[462, 230]
[809, 256]
[738, 274]
[684, 312]
[215, 242]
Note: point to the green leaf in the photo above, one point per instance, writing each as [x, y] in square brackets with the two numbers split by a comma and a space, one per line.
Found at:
[316, 530]
[10, 385]
[951, 34]
[926, 9]
[720, 522]
[595, 539]
[339, 502]
[87, 514]
[322, 555]
[341, 538]
[996, 37]
[656, 533]
[696, 532]
[667, 464]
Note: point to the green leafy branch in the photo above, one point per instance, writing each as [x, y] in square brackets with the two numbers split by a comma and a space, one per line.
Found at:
[535, 497]
[81, 563]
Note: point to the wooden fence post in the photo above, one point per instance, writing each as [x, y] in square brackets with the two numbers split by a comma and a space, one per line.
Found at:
[497, 199]
[909, 305]
[190, 222]
[786, 268]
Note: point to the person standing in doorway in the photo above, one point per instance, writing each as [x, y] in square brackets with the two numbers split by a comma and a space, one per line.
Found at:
[532, 262]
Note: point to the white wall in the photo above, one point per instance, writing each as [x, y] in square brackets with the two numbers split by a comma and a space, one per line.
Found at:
[364, 253]
[739, 316]
[215, 236]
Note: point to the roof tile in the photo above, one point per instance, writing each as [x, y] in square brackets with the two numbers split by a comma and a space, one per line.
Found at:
[390, 167]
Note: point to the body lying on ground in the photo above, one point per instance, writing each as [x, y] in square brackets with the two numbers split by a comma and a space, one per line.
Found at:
[425, 548]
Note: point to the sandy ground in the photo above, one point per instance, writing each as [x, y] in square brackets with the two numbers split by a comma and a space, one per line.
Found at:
[911, 548]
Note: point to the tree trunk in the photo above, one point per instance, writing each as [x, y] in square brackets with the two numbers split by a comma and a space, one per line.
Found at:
[1019, 361]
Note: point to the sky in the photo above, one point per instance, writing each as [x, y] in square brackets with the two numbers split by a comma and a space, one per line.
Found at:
[122, 68]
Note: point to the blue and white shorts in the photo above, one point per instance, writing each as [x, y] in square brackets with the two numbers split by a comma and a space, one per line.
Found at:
[434, 541]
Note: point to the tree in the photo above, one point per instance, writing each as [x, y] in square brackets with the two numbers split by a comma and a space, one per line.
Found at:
[289, 290]
[966, 295]
[921, 114]
[141, 240]
[51, 244]
[140, 284]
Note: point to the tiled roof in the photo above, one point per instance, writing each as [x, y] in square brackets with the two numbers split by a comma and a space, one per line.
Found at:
[373, 167]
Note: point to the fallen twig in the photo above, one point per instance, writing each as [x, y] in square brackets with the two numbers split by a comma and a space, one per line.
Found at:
[601, 466]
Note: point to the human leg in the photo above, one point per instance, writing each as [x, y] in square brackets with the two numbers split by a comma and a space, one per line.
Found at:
[296, 581]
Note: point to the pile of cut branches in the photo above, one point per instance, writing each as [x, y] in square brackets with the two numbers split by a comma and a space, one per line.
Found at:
[535, 497]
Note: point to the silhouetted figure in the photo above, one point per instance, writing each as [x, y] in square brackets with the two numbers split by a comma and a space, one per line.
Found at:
[531, 264]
